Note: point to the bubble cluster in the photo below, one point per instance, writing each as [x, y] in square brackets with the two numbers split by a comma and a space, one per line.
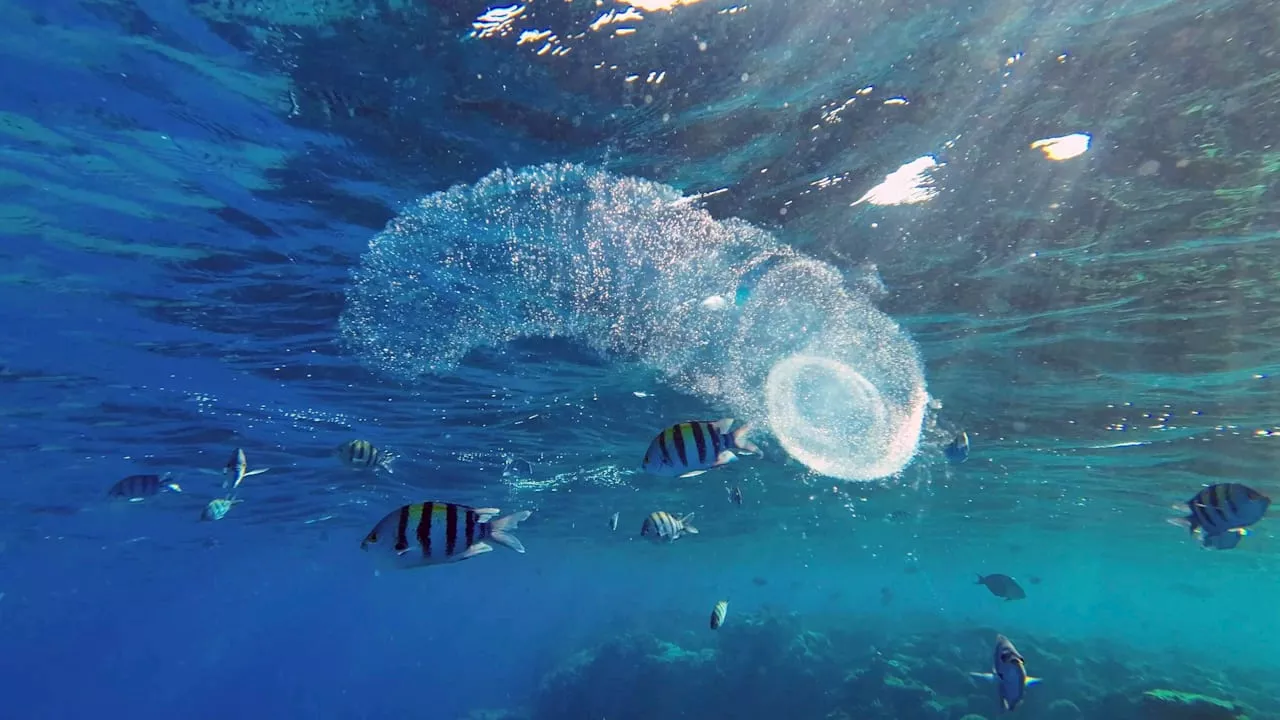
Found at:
[636, 272]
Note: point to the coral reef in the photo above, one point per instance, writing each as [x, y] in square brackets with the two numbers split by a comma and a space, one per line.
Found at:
[773, 665]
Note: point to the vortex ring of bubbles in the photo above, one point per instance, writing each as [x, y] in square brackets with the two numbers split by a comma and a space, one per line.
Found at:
[637, 272]
[858, 438]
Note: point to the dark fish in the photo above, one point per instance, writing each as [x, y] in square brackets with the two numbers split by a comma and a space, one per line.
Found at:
[897, 516]
[735, 495]
[957, 451]
[433, 533]
[886, 595]
[759, 581]
[662, 525]
[692, 448]
[718, 613]
[1002, 586]
[364, 455]
[1035, 579]
[1009, 671]
[140, 487]
[1222, 507]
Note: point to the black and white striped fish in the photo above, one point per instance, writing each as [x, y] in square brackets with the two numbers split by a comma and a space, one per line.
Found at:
[136, 488]
[717, 614]
[434, 533]
[662, 525]
[1223, 507]
[692, 448]
[363, 455]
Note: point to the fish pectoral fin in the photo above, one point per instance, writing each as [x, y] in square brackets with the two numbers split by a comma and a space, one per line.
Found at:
[479, 548]
[693, 473]
[983, 676]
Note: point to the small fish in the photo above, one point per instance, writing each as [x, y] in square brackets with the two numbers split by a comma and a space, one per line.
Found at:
[139, 487]
[1009, 670]
[718, 613]
[218, 509]
[662, 525]
[735, 495]
[1223, 507]
[363, 455]
[1223, 541]
[237, 469]
[1002, 586]
[434, 533]
[897, 516]
[691, 448]
[886, 595]
[1035, 579]
[957, 451]
[613, 522]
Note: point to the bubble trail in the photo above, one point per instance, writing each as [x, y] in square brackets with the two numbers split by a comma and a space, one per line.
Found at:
[625, 266]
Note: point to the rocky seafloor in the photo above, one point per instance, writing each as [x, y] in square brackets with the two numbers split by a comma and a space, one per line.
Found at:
[776, 665]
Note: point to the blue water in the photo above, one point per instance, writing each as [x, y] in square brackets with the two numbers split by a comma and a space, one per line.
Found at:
[513, 259]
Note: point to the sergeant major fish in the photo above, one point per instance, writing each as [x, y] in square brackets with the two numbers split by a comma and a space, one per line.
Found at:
[957, 451]
[237, 469]
[1219, 508]
[662, 525]
[362, 454]
[717, 614]
[691, 448]
[218, 509]
[1009, 671]
[434, 533]
[139, 487]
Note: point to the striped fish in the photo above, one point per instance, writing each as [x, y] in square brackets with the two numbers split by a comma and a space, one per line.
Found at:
[692, 448]
[237, 469]
[433, 533]
[139, 487]
[718, 613]
[364, 455]
[218, 509]
[1224, 507]
[662, 525]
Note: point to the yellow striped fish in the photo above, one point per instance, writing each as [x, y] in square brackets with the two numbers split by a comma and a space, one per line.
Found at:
[692, 448]
[718, 613]
[364, 455]
[433, 533]
[218, 509]
[237, 469]
[1224, 507]
[139, 487]
[662, 525]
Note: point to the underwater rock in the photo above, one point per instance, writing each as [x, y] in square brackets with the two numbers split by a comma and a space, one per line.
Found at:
[1063, 709]
[1177, 705]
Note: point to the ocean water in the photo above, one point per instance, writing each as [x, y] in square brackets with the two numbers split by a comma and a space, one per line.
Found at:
[511, 242]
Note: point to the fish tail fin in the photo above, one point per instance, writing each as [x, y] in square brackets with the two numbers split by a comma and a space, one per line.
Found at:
[1034, 680]
[1188, 522]
[386, 461]
[980, 579]
[173, 486]
[500, 530]
[741, 442]
[690, 529]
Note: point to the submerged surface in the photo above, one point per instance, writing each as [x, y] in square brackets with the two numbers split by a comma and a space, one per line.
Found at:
[512, 243]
